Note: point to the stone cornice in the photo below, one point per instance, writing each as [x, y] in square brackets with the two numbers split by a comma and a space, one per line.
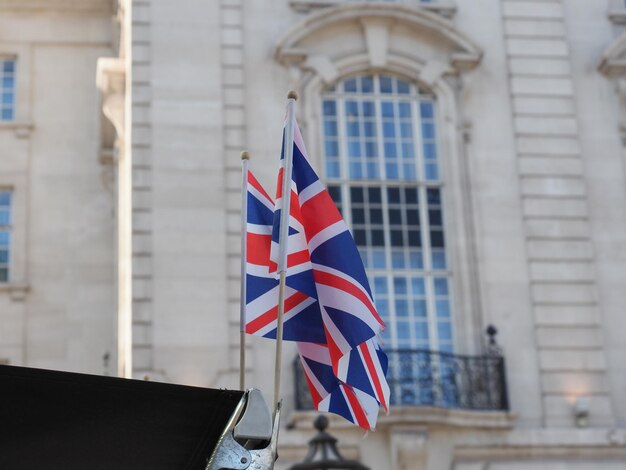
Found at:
[54, 6]
[402, 416]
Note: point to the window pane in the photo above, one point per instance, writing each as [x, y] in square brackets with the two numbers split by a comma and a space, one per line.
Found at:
[387, 109]
[393, 194]
[402, 308]
[441, 286]
[403, 87]
[376, 216]
[426, 110]
[356, 194]
[419, 308]
[399, 285]
[332, 169]
[332, 149]
[367, 84]
[421, 330]
[380, 285]
[397, 259]
[330, 108]
[385, 85]
[443, 308]
[374, 194]
[350, 85]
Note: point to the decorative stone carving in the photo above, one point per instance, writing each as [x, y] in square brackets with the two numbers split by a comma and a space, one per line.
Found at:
[380, 34]
[613, 60]
[111, 79]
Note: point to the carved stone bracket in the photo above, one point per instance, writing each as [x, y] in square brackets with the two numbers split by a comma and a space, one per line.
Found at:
[111, 80]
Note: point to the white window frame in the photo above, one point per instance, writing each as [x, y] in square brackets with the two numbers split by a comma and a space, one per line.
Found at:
[428, 274]
[7, 228]
[13, 104]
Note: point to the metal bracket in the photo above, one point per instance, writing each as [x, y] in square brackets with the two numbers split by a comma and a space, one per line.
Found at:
[232, 455]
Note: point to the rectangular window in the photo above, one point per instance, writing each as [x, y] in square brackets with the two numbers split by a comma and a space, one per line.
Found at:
[382, 167]
[7, 89]
[5, 234]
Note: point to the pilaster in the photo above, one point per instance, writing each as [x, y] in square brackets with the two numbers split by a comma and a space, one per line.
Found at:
[142, 253]
[234, 122]
[560, 254]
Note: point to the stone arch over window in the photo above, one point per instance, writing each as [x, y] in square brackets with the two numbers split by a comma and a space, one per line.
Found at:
[410, 45]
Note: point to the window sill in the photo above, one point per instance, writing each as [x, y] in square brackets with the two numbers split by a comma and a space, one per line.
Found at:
[16, 290]
[21, 129]
[417, 415]
[445, 8]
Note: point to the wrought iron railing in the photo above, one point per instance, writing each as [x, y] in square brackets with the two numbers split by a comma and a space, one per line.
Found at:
[429, 378]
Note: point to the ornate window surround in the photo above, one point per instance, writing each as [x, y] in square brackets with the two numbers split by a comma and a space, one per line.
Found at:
[414, 44]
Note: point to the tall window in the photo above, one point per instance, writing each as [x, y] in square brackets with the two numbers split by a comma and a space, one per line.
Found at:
[5, 234]
[382, 170]
[7, 89]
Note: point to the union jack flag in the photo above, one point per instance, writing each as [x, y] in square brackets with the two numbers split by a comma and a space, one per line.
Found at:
[262, 286]
[359, 403]
[330, 256]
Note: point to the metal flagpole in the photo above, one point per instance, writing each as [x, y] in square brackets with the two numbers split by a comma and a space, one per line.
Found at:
[282, 239]
[245, 160]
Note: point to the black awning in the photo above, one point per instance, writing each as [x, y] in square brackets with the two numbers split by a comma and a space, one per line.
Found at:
[62, 421]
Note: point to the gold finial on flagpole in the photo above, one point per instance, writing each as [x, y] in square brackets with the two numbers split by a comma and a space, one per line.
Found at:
[245, 155]
[292, 95]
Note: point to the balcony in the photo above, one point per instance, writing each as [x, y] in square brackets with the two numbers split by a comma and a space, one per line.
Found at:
[436, 379]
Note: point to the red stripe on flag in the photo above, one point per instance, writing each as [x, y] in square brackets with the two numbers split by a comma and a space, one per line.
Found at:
[258, 248]
[339, 283]
[269, 316]
[319, 212]
[373, 373]
[359, 414]
[333, 350]
[294, 207]
[317, 398]
[279, 183]
[296, 259]
[255, 183]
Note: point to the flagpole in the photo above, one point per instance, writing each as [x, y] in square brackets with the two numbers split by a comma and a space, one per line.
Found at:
[245, 160]
[283, 250]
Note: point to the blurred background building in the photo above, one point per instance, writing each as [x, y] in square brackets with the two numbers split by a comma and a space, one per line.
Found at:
[474, 147]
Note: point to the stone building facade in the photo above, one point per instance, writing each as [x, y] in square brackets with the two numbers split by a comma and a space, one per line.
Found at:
[499, 123]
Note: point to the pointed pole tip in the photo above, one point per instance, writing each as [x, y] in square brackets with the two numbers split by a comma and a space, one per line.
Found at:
[292, 95]
[245, 155]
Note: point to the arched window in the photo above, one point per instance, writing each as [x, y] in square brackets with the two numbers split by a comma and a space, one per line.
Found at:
[382, 170]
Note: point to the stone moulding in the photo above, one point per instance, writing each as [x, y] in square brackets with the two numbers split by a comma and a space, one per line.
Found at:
[377, 23]
[76, 6]
[445, 8]
[421, 416]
